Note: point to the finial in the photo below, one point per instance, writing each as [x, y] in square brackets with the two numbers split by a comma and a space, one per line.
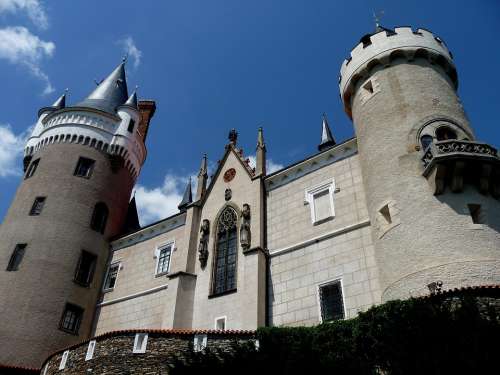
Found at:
[125, 58]
[260, 138]
[233, 136]
[376, 18]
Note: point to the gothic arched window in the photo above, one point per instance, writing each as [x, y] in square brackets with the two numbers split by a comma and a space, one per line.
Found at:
[99, 217]
[226, 252]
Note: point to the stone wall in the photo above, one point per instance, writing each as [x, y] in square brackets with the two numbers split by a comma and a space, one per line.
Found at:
[113, 352]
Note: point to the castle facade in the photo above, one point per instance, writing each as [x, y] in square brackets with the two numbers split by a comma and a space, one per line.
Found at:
[407, 207]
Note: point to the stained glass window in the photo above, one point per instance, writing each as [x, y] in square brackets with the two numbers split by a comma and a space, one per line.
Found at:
[226, 252]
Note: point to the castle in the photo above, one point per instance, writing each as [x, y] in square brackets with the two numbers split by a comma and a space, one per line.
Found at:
[407, 207]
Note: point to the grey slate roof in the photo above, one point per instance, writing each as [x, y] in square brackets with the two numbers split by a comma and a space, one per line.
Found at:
[187, 197]
[111, 92]
[60, 103]
[132, 100]
[327, 139]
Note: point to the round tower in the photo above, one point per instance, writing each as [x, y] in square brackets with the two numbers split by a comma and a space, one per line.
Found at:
[80, 163]
[431, 189]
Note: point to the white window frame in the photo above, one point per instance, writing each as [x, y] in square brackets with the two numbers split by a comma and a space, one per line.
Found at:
[90, 350]
[328, 185]
[144, 345]
[221, 318]
[119, 263]
[157, 256]
[199, 343]
[45, 368]
[64, 359]
[338, 279]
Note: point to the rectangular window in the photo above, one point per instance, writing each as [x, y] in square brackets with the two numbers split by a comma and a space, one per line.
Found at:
[16, 257]
[37, 207]
[199, 342]
[331, 301]
[131, 126]
[85, 268]
[71, 318]
[64, 359]
[140, 342]
[111, 277]
[320, 200]
[220, 323]
[32, 168]
[90, 350]
[163, 261]
[84, 167]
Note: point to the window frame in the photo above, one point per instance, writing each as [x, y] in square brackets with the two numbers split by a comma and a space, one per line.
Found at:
[326, 283]
[157, 254]
[118, 264]
[144, 343]
[101, 228]
[64, 360]
[79, 319]
[90, 350]
[30, 172]
[90, 170]
[200, 342]
[34, 211]
[91, 273]
[310, 193]
[20, 247]
[224, 318]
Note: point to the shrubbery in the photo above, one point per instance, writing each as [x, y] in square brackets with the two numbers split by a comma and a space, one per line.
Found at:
[417, 336]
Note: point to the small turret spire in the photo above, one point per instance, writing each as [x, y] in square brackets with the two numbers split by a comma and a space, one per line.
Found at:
[187, 198]
[132, 100]
[202, 178]
[60, 103]
[260, 163]
[327, 140]
[233, 137]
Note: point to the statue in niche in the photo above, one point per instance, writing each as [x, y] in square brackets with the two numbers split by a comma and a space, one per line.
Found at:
[245, 234]
[203, 246]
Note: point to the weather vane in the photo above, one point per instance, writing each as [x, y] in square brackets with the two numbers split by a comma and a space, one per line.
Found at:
[376, 17]
[125, 58]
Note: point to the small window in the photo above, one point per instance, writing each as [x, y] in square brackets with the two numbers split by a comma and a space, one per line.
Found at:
[220, 323]
[140, 342]
[444, 133]
[84, 167]
[368, 86]
[71, 319]
[85, 268]
[426, 141]
[320, 200]
[476, 213]
[37, 207]
[111, 277]
[131, 125]
[199, 343]
[32, 168]
[331, 301]
[163, 259]
[385, 214]
[64, 359]
[99, 217]
[90, 350]
[16, 257]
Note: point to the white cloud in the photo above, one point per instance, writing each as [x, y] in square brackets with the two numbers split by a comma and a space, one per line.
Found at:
[11, 150]
[19, 46]
[131, 50]
[271, 166]
[33, 9]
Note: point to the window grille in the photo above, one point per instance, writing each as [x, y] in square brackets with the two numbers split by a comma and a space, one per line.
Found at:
[226, 252]
[331, 301]
[84, 167]
[32, 168]
[71, 319]
[111, 276]
[164, 254]
[16, 257]
[37, 207]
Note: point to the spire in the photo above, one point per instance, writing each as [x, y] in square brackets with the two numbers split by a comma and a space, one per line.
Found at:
[187, 198]
[60, 103]
[202, 178]
[132, 219]
[233, 137]
[260, 164]
[327, 140]
[110, 93]
[132, 100]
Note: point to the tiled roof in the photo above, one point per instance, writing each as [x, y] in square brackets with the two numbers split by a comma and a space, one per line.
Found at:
[18, 368]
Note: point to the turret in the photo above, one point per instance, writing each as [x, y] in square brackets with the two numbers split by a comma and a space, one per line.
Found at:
[81, 164]
[421, 167]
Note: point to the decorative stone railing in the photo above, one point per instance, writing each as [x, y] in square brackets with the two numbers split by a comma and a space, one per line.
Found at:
[451, 161]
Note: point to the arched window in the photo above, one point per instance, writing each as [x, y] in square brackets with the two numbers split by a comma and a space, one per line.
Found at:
[224, 275]
[99, 217]
[426, 141]
[444, 133]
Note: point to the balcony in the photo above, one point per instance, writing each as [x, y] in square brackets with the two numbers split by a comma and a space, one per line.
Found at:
[453, 163]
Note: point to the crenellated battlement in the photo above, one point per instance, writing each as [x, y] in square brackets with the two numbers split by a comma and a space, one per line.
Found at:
[383, 47]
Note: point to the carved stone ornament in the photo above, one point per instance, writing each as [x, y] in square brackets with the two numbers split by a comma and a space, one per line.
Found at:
[203, 246]
[245, 233]
[228, 194]
[229, 174]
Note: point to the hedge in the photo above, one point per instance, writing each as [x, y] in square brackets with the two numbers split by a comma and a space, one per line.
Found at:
[416, 336]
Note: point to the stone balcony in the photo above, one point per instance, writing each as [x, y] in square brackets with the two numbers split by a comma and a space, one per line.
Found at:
[453, 163]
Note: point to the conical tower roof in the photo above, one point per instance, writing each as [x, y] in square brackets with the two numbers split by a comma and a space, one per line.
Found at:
[187, 198]
[132, 100]
[327, 139]
[60, 103]
[110, 93]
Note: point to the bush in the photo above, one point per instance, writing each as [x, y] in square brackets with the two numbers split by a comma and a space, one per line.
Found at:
[416, 336]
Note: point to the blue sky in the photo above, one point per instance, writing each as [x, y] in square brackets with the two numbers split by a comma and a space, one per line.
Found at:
[214, 65]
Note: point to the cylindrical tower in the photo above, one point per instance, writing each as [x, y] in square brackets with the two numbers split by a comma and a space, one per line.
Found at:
[81, 163]
[431, 189]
